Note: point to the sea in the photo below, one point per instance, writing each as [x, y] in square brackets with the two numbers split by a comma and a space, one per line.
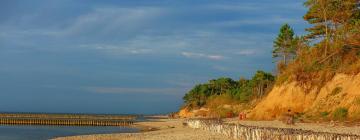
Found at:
[45, 132]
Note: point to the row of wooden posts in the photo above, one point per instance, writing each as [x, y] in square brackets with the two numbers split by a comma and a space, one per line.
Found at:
[67, 116]
[65, 122]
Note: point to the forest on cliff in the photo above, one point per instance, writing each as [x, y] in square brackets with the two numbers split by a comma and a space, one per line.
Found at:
[331, 46]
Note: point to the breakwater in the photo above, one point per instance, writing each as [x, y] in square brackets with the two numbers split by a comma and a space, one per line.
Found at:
[243, 132]
[66, 119]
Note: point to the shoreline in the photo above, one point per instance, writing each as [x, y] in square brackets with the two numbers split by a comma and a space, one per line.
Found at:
[173, 129]
[154, 129]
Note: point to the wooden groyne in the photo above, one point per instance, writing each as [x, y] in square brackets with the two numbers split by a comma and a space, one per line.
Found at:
[66, 119]
[66, 116]
[242, 132]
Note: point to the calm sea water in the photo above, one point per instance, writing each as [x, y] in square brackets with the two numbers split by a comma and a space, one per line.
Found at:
[39, 132]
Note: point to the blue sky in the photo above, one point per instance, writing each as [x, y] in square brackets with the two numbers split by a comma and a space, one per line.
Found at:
[126, 56]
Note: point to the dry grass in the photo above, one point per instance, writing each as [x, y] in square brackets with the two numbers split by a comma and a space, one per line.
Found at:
[221, 105]
[312, 69]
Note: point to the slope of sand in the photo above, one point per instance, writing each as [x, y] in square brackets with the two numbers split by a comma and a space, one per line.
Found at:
[164, 130]
[340, 92]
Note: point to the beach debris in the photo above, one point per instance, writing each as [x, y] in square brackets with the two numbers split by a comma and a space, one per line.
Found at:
[238, 131]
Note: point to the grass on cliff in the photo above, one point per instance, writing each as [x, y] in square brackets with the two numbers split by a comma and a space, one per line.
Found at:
[311, 69]
[340, 113]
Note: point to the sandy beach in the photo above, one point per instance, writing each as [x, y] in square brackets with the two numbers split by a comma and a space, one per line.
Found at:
[316, 127]
[160, 129]
[166, 129]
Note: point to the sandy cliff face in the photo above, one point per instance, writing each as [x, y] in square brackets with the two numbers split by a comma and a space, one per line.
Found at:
[342, 91]
[185, 113]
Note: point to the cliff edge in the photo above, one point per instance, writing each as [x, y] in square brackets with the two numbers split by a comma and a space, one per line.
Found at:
[342, 92]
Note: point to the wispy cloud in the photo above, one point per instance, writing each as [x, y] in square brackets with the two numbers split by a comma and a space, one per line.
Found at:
[202, 55]
[247, 52]
[110, 19]
[101, 21]
[126, 47]
[117, 49]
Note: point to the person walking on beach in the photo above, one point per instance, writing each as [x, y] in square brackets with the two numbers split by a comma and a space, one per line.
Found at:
[242, 116]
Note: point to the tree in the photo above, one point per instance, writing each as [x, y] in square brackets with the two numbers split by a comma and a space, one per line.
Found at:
[224, 84]
[284, 44]
[197, 96]
[348, 16]
[318, 15]
[331, 20]
[354, 35]
[261, 81]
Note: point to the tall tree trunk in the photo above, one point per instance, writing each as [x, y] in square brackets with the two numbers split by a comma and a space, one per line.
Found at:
[323, 5]
[285, 58]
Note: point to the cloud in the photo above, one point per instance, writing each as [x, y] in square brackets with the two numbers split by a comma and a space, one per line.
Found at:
[117, 49]
[110, 19]
[140, 51]
[202, 55]
[100, 21]
[124, 90]
[189, 44]
[247, 52]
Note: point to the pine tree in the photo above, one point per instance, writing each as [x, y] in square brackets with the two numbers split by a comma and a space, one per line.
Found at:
[318, 15]
[330, 20]
[284, 44]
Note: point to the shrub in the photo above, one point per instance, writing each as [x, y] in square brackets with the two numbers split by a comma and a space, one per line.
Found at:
[215, 101]
[336, 90]
[324, 114]
[340, 113]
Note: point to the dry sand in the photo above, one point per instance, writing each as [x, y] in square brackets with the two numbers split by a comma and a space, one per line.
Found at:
[165, 129]
[316, 127]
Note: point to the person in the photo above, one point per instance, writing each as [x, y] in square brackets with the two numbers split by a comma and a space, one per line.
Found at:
[289, 118]
[240, 116]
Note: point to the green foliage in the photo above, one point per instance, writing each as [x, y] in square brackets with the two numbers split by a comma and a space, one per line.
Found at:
[298, 116]
[327, 16]
[340, 113]
[331, 46]
[284, 44]
[197, 96]
[242, 91]
[334, 44]
[261, 81]
[324, 114]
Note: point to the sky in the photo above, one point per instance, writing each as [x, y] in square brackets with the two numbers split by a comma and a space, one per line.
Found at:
[126, 56]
